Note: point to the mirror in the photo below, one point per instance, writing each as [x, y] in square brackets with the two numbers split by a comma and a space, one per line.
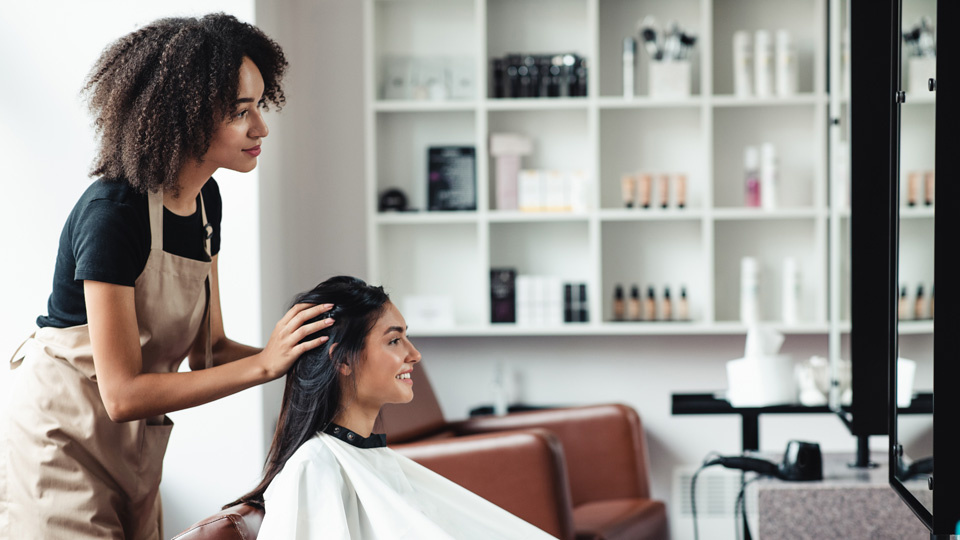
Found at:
[913, 433]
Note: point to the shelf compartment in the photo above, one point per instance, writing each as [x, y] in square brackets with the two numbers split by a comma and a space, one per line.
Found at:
[917, 144]
[621, 18]
[418, 29]
[770, 245]
[801, 18]
[559, 28]
[558, 249]
[654, 141]
[410, 264]
[916, 259]
[657, 254]
[559, 137]
[402, 142]
[792, 130]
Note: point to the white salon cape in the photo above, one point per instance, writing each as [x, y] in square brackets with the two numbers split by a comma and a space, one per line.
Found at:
[332, 489]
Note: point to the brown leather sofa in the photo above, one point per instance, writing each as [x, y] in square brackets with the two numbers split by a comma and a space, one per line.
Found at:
[603, 447]
[518, 470]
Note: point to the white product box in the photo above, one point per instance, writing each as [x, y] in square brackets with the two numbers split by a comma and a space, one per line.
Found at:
[670, 79]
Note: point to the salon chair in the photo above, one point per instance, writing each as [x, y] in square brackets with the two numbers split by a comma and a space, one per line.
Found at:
[603, 450]
[516, 469]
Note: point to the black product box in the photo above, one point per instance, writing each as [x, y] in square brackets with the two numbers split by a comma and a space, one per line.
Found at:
[503, 295]
[452, 178]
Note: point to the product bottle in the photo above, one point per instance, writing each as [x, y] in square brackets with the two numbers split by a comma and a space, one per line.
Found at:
[787, 68]
[742, 64]
[666, 307]
[932, 287]
[681, 190]
[633, 308]
[762, 64]
[913, 181]
[790, 301]
[918, 304]
[751, 165]
[749, 291]
[683, 308]
[903, 312]
[618, 303]
[628, 186]
[664, 189]
[644, 188]
[928, 187]
[650, 306]
[629, 57]
[768, 176]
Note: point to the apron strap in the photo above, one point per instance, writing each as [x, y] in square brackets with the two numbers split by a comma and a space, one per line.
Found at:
[155, 210]
[208, 358]
[208, 232]
[17, 358]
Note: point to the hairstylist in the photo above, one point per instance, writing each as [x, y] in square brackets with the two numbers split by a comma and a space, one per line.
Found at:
[83, 431]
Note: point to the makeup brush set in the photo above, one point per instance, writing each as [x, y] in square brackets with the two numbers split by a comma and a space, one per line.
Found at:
[672, 44]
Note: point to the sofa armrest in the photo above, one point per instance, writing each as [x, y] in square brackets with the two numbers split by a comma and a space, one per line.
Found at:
[604, 447]
[522, 472]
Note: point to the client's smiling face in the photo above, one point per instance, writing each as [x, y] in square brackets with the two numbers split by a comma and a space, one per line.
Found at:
[386, 368]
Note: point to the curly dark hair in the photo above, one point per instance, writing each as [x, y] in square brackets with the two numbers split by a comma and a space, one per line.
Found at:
[158, 94]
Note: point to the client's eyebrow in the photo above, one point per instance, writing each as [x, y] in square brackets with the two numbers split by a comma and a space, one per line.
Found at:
[393, 329]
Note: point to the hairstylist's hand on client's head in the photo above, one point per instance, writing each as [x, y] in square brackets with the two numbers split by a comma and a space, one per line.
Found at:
[287, 343]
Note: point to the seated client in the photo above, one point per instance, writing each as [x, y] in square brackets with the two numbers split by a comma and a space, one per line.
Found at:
[327, 475]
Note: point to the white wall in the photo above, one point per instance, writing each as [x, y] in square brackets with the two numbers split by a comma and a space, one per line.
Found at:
[47, 143]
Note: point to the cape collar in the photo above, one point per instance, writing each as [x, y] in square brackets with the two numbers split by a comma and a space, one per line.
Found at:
[375, 440]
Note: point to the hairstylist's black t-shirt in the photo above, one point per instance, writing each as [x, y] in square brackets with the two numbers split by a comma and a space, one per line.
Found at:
[107, 238]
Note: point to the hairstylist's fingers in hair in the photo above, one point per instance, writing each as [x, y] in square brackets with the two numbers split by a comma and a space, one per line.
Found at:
[301, 313]
[284, 347]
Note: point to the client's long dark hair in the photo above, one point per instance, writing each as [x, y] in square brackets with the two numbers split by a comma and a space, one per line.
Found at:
[311, 397]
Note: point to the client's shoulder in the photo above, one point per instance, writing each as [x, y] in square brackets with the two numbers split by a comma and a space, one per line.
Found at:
[312, 453]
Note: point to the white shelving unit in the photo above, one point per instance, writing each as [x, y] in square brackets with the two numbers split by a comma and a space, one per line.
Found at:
[606, 135]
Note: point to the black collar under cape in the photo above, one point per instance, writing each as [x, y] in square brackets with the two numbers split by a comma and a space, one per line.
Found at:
[375, 440]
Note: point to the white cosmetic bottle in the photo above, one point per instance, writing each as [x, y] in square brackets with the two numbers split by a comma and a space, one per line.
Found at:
[790, 297]
[749, 291]
[762, 64]
[787, 68]
[742, 64]
[629, 63]
[768, 176]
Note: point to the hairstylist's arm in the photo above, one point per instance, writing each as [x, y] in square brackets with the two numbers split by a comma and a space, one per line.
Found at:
[225, 350]
[129, 394]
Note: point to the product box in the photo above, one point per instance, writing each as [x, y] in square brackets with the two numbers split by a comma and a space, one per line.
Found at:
[503, 295]
[452, 178]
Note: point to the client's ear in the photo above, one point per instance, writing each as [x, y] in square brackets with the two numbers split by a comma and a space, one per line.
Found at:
[344, 368]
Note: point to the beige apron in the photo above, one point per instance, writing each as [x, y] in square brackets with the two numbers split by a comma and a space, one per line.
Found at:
[70, 472]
